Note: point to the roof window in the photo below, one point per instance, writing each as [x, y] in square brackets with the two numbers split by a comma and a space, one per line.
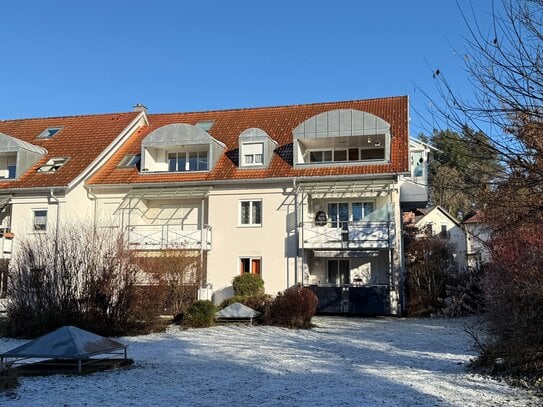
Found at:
[53, 165]
[205, 125]
[49, 132]
[129, 161]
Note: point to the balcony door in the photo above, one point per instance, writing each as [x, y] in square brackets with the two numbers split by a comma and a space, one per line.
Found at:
[339, 272]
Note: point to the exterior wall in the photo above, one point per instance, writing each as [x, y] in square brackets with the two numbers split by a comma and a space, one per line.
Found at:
[457, 236]
[270, 241]
[477, 237]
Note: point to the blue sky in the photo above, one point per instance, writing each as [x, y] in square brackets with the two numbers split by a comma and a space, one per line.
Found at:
[78, 57]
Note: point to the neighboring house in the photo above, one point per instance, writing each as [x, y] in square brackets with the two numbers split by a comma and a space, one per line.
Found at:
[438, 222]
[304, 194]
[43, 166]
[478, 236]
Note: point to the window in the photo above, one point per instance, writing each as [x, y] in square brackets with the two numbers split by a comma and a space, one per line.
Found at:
[205, 125]
[444, 233]
[350, 154]
[250, 265]
[339, 213]
[129, 161]
[187, 161]
[253, 153]
[8, 167]
[40, 220]
[372, 153]
[339, 272]
[250, 213]
[53, 165]
[49, 132]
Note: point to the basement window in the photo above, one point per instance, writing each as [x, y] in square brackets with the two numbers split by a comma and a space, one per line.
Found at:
[49, 132]
[53, 165]
[129, 161]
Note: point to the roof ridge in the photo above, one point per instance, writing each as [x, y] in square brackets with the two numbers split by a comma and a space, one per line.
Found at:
[67, 117]
[279, 106]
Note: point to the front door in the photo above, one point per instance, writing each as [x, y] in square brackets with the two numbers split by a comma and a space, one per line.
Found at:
[339, 272]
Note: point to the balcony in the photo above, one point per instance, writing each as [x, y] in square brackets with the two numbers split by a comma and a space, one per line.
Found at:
[352, 235]
[159, 237]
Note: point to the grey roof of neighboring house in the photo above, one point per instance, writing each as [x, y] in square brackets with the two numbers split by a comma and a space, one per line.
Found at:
[67, 342]
[237, 311]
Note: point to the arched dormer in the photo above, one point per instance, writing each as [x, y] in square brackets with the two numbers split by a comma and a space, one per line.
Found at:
[17, 156]
[179, 147]
[255, 148]
[342, 136]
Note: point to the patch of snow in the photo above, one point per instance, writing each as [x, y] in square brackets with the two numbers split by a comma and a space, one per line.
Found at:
[344, 361]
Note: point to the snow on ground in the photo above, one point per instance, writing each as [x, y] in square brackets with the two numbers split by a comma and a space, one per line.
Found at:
[342, 362]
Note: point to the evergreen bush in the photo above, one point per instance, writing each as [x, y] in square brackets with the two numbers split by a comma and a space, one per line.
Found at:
[200, 314]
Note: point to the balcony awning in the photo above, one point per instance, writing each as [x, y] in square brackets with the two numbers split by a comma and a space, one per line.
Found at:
[346, 189]
[169, 193]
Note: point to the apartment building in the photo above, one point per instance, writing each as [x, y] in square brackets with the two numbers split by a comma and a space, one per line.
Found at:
[304, 194]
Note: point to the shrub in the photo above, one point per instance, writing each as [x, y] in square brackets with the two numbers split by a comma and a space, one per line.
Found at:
[8, 379]
[200, 314]
[87, 277]
[293, 308]
[247, 285]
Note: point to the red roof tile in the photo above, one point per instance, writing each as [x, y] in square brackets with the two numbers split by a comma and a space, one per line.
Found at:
[82, 139]
[278, 122]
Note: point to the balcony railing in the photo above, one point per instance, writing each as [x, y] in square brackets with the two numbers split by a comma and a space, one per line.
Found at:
[353, 235]
[156, 237]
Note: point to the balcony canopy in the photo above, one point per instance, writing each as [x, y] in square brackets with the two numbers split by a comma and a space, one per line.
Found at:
[345, 189]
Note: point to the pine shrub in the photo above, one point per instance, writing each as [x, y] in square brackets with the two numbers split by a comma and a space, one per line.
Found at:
[247, 285]
[200, 314]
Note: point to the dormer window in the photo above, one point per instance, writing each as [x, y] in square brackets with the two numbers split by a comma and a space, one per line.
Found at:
[49, 132]
[253, 153]
[179, 147]
[344, 135]
[8, 166]
[53, 165]
[205, 125]
[187, 161]
[255, 148]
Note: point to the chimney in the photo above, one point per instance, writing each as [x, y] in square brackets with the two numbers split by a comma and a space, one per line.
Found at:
[138, 107]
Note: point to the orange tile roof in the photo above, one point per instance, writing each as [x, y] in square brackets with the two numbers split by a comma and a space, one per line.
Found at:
[82, 139]
[278, 122]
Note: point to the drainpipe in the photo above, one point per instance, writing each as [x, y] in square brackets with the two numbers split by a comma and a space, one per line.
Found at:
[55, 198]
[296, 240]
[92, 196]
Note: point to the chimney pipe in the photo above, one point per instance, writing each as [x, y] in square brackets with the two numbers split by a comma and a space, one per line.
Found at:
[138, 107]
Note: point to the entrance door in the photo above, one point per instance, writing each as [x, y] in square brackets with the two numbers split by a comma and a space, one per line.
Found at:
[339, 272]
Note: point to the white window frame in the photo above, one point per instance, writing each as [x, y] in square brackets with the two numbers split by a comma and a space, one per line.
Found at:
[53, 165]
[252, 157]
[187, 159]
[251, 224]
[35, 224]
[251, 258]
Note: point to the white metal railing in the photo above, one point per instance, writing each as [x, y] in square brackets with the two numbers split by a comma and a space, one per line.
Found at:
[359, 234]
[149, 237]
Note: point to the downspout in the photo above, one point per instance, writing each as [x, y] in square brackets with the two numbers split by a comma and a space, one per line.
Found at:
[55, 198]
[92, 197]
[296, 240]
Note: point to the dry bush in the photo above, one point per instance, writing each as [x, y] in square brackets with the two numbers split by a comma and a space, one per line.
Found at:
[293, 308]
[86, 277]
[429, 270]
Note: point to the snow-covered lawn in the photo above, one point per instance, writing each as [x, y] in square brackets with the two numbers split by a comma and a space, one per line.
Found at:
[345, 361]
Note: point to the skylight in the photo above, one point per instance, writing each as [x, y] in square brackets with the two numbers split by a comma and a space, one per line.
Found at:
[205, 125]
[129, 161]
[49, 132]
[53, 165]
